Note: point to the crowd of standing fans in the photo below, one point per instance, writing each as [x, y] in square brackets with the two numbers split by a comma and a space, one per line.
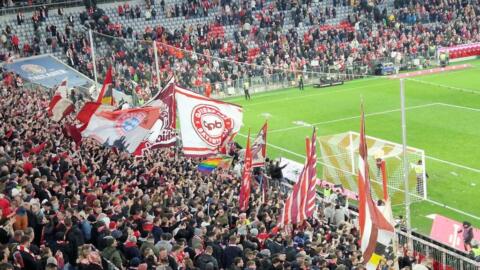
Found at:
[68, 207]
[64, 206]
[261, 44]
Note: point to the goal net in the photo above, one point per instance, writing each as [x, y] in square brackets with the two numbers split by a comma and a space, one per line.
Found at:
[340, 165]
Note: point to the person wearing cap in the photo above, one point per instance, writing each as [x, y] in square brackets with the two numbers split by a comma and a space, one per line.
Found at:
[111, 253]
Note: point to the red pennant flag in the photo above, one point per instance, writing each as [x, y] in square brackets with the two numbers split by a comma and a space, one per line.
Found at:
[244, 196]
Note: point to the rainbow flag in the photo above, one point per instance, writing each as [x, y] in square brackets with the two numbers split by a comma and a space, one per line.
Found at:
[209, 164]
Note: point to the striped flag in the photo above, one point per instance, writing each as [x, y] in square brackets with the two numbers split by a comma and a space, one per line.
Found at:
[60, 106]
[376, 231]
[244, 196]
[300, 204]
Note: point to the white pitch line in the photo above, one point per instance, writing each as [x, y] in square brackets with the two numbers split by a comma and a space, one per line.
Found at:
[474, 91]
[459, 107]
[354, 117]
[283, 90]
[454, 164]
[414, 195]
[300, 96]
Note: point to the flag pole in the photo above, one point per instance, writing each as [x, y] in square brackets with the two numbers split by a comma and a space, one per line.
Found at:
[93, 59]
[157, 70]
[405, 163]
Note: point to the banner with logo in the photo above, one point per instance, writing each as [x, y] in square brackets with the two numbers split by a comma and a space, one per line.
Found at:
[206, 124]
[122, 129]
[164, 130]
[48, 71]
[449, 232]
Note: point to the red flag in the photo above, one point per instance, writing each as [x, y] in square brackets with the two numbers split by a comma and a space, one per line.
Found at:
[86, 112]
[74, 133]
[259, 147]
[244, 196]
[106, 94]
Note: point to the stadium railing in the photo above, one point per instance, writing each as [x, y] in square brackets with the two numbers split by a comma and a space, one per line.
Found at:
[25, 7]
[443, 258]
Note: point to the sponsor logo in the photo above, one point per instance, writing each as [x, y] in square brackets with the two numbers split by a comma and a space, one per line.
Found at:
[129, 122]
[33, 68]
[211, 124]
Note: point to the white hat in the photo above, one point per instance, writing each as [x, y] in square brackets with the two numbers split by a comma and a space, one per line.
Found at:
[15, 192]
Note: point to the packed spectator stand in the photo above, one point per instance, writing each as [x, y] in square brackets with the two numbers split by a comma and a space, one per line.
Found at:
[258, 38]
[93, 208]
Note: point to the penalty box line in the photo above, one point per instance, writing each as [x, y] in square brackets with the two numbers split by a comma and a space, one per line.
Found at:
[354, 117]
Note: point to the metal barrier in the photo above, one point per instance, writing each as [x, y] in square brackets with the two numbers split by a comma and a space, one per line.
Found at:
[51, 5]
[444, 259]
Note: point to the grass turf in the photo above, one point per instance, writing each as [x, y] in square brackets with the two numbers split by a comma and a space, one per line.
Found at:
[443, 121]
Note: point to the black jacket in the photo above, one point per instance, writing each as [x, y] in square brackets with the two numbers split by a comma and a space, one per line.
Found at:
[229, 254]
[204, 259]
[74, 238]
[29, 262]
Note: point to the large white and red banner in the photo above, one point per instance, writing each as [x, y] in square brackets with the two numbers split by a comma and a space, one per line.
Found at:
[259, 148]
[164, 130]
[122, 129]
[206, 124]
[449, 232]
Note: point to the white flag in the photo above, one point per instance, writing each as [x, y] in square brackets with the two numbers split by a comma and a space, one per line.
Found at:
[206, 124]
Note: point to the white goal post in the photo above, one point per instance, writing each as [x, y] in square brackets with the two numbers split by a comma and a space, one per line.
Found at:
[339, 156]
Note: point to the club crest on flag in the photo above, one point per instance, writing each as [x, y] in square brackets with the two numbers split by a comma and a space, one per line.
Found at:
[211, 124]
[129, 122]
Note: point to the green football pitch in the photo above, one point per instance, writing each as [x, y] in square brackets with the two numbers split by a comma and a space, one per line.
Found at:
[443, 119]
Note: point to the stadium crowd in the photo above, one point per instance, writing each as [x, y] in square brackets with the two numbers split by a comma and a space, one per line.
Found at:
[260, 42]
[69, 207]
[91, 207]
